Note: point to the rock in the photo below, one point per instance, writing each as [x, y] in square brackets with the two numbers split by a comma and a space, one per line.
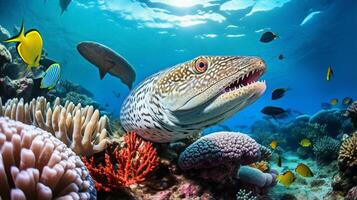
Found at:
[317, 182]
[341, 183]
[4, 34]
[16, 88]
[288, 197]
[13, 70]
[5, 56]
[15, 56]
[303, 118]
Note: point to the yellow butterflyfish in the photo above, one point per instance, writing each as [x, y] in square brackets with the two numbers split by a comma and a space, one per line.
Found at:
[334, 101]
[287, 178]
[274, 144]
[305, 142]
[304, 170]
[29, 46]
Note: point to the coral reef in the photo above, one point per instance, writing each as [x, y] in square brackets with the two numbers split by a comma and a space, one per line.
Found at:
[78, 98]
[351, 194]
[69, 86]
[332, 120]
[73, 92]
[79, 128]
[266, 153]
[217, 151]
[5, 56]
[35, 165]
[264, 126]
[347, 157]
[245, 195]
[19, 87]
[261, 165]
[124, 166]
[326, 149]
[4, 34]
[351, 112]
[256, 177]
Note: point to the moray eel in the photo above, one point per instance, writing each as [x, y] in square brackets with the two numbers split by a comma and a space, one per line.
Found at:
[186, 98]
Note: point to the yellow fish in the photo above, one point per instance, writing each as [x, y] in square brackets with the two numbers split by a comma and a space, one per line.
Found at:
[29, 46]
[329, 73]
[274, 144]
[304, 170]
[334, 101]
[305, 142]
[287, 178]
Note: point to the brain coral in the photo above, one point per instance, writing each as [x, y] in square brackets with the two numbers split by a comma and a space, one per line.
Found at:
[347, 157]
[36, 165]
[220, 148]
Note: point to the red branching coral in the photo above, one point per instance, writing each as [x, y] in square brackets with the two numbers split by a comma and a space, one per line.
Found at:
[124, 166]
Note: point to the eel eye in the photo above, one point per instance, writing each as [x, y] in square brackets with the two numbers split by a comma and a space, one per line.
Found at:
[201, 65]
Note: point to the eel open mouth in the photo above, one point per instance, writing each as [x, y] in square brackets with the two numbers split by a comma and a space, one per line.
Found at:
[244, 80]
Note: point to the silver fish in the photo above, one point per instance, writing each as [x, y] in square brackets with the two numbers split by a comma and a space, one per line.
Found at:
[188, 97]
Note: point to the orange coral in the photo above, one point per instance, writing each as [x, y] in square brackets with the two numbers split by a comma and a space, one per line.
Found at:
[261, 165]
[124, 167]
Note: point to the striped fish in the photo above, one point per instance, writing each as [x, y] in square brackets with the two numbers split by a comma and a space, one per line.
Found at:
[51, 76]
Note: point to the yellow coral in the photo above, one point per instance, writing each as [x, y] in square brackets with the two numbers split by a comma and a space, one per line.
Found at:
[79, 128]
[261, 165]
[348, 152]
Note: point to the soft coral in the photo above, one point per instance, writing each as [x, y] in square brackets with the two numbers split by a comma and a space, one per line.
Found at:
[124, 166]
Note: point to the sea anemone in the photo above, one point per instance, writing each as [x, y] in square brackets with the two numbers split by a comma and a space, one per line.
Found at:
[36, 165]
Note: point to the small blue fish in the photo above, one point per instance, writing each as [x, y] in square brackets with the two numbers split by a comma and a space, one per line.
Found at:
[51, 76]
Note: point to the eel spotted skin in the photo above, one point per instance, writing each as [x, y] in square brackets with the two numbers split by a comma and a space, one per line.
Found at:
[188, 97]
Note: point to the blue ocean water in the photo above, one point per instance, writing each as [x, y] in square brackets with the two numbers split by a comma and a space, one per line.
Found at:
[156, 34]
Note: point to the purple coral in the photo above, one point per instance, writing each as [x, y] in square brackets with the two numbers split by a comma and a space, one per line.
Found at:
[220, 148]
[36, 165]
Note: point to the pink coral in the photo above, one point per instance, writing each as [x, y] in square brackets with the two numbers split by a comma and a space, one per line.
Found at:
[126, 166]
[36, 165]
[189, 190]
